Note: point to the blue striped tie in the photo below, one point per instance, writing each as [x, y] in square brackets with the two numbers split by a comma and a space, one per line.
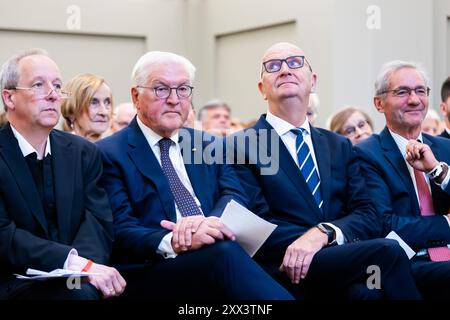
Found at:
[307, 167]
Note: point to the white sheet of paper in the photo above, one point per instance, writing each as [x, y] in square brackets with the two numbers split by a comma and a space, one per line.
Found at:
[394, 236]
[33, 274]
[251, 231]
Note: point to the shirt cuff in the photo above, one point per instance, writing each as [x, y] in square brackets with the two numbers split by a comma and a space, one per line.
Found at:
[339, 235]
[165, 247]
[444, 183]
[66, 263]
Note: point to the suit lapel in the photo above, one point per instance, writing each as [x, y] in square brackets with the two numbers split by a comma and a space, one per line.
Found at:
[395, 159]
[323, 158]
[146, 162]
[288, 165]
[65, 165]
[10, 152]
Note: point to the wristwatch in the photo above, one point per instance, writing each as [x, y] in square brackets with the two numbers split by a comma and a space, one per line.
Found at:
[329, 231]
[436, 173]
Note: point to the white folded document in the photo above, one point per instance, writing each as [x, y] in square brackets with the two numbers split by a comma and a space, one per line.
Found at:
[251, 231]
[33, 274]
[394, 236]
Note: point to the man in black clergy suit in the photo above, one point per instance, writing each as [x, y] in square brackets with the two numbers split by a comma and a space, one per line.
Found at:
[53, 214]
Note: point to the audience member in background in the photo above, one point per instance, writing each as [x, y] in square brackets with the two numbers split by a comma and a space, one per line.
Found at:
[313, 107]
[53, 214]
[353, 123]
[432, 124]
[88, 110]
[123, 114]
[190, 121]
[3, 119]
[235, 125]
[445, 107]
[215, 117]
[407, 175]
[166, 205]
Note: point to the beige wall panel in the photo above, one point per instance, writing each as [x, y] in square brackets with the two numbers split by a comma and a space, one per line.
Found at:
[238, 66]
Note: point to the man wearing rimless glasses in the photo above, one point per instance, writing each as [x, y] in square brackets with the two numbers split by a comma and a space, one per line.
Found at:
[53, 215]
[321, 247]
[407, 175]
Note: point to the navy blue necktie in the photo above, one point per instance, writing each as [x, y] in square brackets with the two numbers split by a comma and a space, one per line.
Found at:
[307, 167]
[185, 202]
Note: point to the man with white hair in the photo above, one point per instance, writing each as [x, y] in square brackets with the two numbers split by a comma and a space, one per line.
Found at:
[165, 207]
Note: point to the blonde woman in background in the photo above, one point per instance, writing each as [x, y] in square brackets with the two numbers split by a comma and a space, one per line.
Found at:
[352, 123]
[88, 110]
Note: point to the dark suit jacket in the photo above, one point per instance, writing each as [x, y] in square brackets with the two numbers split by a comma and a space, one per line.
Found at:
[444, 134]
[84, 218]
[140, 195]
[391, 187]
[285, 199]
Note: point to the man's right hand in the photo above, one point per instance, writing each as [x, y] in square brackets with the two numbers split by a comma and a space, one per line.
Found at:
[108, 280]
[206, 232]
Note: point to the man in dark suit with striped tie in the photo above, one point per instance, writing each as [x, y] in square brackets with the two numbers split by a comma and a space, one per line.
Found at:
[315, 195]
[407, 175]
[445, 107]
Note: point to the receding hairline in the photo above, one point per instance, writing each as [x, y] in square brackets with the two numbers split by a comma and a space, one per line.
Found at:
[281, 46]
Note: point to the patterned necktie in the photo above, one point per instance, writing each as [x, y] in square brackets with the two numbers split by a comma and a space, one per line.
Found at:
[184, 200]
[307, 167]
[427, 209]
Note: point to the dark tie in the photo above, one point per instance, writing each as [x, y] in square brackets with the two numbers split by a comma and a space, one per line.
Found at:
[427, 209]
[307, 167]
[184, 200]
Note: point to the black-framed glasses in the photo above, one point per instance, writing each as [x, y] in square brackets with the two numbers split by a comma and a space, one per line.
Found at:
[293, 62]
[163, 92]
[403, 92]
[40, 91]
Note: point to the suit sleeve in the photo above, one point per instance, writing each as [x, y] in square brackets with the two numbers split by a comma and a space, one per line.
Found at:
[360, 220]
[95, 235]
[134, 241]
[417, 231]
[20, 249]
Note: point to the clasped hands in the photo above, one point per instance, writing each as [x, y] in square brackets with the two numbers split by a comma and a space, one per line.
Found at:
[192, 233]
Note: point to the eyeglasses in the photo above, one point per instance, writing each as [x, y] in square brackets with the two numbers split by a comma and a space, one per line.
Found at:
[40, 91]
[351, 131]
[403, 92]
[163, 92]
[293, 62]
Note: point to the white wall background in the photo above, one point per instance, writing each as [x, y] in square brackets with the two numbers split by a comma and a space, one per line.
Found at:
[218, 35]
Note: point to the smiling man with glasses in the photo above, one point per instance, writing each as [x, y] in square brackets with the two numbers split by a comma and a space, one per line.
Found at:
[407, 175]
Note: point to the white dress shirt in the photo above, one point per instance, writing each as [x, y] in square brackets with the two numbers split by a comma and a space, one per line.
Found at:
[401, 144]
[283, 129]
[165, 247]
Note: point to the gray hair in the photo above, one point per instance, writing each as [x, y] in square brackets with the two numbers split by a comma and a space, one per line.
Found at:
[382, 81]
[212, 105]
[142, 68]
[9, 73]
